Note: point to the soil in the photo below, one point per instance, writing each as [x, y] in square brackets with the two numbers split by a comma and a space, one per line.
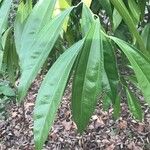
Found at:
[102, 133]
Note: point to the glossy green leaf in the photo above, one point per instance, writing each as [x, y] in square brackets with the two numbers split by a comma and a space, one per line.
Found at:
[61, 5]
[134, 105]
[140, 64]
[29, 5]
[116, 19]
[6, 90]
[39, 17]
[23, 12]
[106, 103]
[1, 57]
[37, 54]
[121, 8]
[87, 19]
[110, 66]
[134, 11]
[117, 107]
[50, 93]
[4, 12]
[10, 57]
[87, 2]
[105, 83]
[146, 36]
[122, 32]
[87, 79]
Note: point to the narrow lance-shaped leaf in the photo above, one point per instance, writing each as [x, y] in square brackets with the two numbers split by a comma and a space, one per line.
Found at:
[87, 79]
[117, 107]
[106, 102]
[60, 6]
[146, 36]
[87, 2]
[4, 12]
[10, 58]
[110, 66]
[1, 56]
[39, 17]
[140, 64]
[6, 90]
[50, 93]
[22, 14]
[134, 11]
[116, 19]
[39, 51]
[29, 5]
[121, 8]
[87, 19]
[134, 105]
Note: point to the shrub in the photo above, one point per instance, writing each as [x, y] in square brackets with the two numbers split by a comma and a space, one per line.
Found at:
[89, 37]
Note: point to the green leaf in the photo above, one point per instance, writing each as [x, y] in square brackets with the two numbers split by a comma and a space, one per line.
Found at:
[110, 66]
[23, 12]
[50, 93]
[134, 105]
[146, 36]
[116, 19]
[140, 64]
[106, 103]
[134, 11]
[87, 2]
[117, 107]
[29, 5]
[37, 54]
[123, 33]
[39, 17]
[10, 57]
[6, 90]
[4, 12]
[105, 83]
[87, 19]
[1, 58]
[87, 79]
[121, 8]
[61, 5]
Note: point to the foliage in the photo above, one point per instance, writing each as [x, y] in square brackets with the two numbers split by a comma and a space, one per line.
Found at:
[6, 94]
[82, 42]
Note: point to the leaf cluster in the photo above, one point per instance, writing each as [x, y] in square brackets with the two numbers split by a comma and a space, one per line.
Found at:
[90, 41]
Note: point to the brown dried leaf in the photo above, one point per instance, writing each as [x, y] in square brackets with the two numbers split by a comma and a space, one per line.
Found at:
[123, 124]
[67, 125]
[111, 147]
[132, 146]
[14, 114]
[99, 123]
[141, 127]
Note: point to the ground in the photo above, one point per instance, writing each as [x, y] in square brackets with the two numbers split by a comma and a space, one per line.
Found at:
[102, 133]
